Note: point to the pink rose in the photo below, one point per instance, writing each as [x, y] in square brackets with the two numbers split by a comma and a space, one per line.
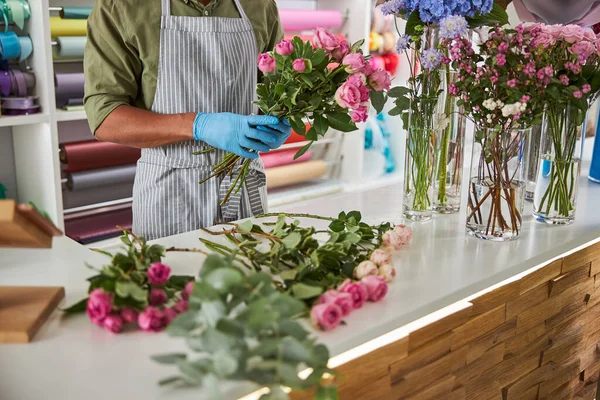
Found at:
[323, 39]
[368, 69]
[387, 272]
[187, 291]
[113, 323]
[299, 65]
[266, 63]
[157, 297]
[589, 35]
[389, 250]
[343, 300]
[171, 314]
[598, 46]
[326, 316]
[98, 306]
[341, 51]
[404, 233]
[360, 114]
[544, 39]
[348, 96]
[152, 320]
[586, 88]
[365, 268]
[564, 79]
[583, 50]
[354, 62]
[380, 257]
[572, 33]
[578, 94]
[356, 290]
[284, 48]
[357, 80]
[391, 238]
[380, 80]
[181, 306]
[376, 287]
[158, 274]
[554, 30]
[129, 315]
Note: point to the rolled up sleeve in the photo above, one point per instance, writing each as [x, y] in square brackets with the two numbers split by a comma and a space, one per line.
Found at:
[111, 63]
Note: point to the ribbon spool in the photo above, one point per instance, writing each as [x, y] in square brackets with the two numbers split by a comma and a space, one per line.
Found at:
[75, 12]
[15, 12]
[5, 83]
[20, 103]
[26, 47]
[10, 47]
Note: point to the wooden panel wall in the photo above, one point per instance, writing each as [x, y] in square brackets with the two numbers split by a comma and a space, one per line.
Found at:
[536, 338]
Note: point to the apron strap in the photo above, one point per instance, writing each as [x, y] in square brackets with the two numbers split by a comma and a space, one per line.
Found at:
[254, 181]
[240, 9]
[166, 8]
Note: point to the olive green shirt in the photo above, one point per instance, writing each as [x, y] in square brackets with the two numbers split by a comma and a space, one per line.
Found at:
[122, 50]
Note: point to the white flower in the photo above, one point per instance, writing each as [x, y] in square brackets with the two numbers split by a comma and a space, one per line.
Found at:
[443, 121]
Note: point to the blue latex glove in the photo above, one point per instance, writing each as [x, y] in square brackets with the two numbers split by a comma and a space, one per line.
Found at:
[237, 133]
[281, 130]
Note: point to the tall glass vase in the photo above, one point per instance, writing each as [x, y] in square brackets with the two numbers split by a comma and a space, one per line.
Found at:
[533, 160]
[561, 149]
[449, 149]
[497, 184]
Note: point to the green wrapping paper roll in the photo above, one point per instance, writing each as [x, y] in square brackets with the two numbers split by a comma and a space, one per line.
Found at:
[75, 12]
[69, 46]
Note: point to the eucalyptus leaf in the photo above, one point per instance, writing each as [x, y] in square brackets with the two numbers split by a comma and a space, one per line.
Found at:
[171, 358]
[224, 364]
[169, 380]
[223, 279]
[190, 373]
[293, 350]
[303, 291]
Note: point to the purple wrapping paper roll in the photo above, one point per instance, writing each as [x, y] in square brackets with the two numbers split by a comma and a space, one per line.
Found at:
[68, 87]
[20, 103]
[303, 20]
[5, 83]
[25, 111]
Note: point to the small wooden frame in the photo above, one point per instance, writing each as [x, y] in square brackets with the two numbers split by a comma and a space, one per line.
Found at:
[21, 226]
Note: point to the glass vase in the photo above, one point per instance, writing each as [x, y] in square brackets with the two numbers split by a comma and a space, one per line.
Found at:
[533, 160]
[559, 167]
[497, 184]
[449, 148]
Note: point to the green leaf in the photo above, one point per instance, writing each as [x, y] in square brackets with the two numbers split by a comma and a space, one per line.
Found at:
[212, 311]
[354, 217]
[312, 134]
[203, 292]
[320, 125]
[498, 15]
[398, 91]
[210, 341]
[267, 348]
[183, 324]
[292, 240]
[138, 293]
[78, 307]
[171, 358]
[327, 392]
[340, 121]
[211, 383]
[124, 288]
[298, 125]
[191, 373]
[224, 364]
[246, 226]
[288, 274]
[275, 393]
[286, 306]
[178, 282]
[318, 56]
[321, 354]
[337, 225]
[315, 101]
[230, 327]
[303, 291]
[106, 253]
[378, 100]
[356, 46]
[288, 327]
[169, 380]
[352, 238]
[303, 150]
[293, 350]
[412, 22]
[156, 252]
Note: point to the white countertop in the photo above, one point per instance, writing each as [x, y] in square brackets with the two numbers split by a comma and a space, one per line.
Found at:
[72, 359]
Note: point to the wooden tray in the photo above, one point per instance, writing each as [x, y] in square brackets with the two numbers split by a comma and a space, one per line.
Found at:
[23, 311]
[21, 226]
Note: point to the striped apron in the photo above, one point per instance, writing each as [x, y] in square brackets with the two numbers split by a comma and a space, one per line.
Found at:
[206, 64]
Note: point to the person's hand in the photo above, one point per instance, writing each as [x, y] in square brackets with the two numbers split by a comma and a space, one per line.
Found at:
[238, 133]
[281, 130]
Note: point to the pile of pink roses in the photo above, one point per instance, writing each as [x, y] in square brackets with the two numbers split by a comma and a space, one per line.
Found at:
[373, 277]
[155, 317]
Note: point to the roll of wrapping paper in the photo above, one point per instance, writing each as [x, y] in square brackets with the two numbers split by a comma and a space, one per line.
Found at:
[5, 83]
[67, 27]
[69, 86]
[303, 20]
[96, 195]
[83, 156]
[15, 12]
[19, 103]
[100, 226]
[284, 157]
[69, 46]
[75, 12]
[295, 173]
[100, 177]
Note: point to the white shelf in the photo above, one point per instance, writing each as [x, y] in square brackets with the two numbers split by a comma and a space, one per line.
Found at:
[63, 115]
[376, 183]
[17, 120]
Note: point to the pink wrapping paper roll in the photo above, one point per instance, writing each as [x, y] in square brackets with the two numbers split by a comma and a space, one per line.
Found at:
[284, 157]
[303, 20]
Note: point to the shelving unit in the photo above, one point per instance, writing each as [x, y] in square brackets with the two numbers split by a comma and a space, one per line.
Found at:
[36, 173]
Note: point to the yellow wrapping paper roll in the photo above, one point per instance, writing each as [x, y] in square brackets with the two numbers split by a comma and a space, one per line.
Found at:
[295, 173]
[67, 27]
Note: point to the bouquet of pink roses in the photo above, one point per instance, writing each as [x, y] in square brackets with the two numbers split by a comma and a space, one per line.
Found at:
[327, 83]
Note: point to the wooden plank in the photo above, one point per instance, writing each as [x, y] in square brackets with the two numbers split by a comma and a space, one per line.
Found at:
[516, 344]
[438, 390]
[492, 357]
[590, 355]
[498, 335]
[479, 326]
[495, 298]
[564, 374]
[25, 309]
[567, 313]
[438, 328]
[459, 393]
[374, 389]
[582, 257]
[587, 392]
[527, 300]
[530, 394]
[541, 276]
[423, 355]
[571, 278]
[403, 385]
[516, 389]
[595, 270]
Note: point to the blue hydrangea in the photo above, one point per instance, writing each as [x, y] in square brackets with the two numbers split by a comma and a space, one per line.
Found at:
[453, 26]
[431, 58]
[403, 43]
[392, 7]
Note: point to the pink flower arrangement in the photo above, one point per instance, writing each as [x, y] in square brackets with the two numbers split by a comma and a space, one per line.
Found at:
[376, 287]
[99, 306]
[158, 274]
[356, 290]
[365, 268]
[152, 320]
[326, 316]
[342, 299]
